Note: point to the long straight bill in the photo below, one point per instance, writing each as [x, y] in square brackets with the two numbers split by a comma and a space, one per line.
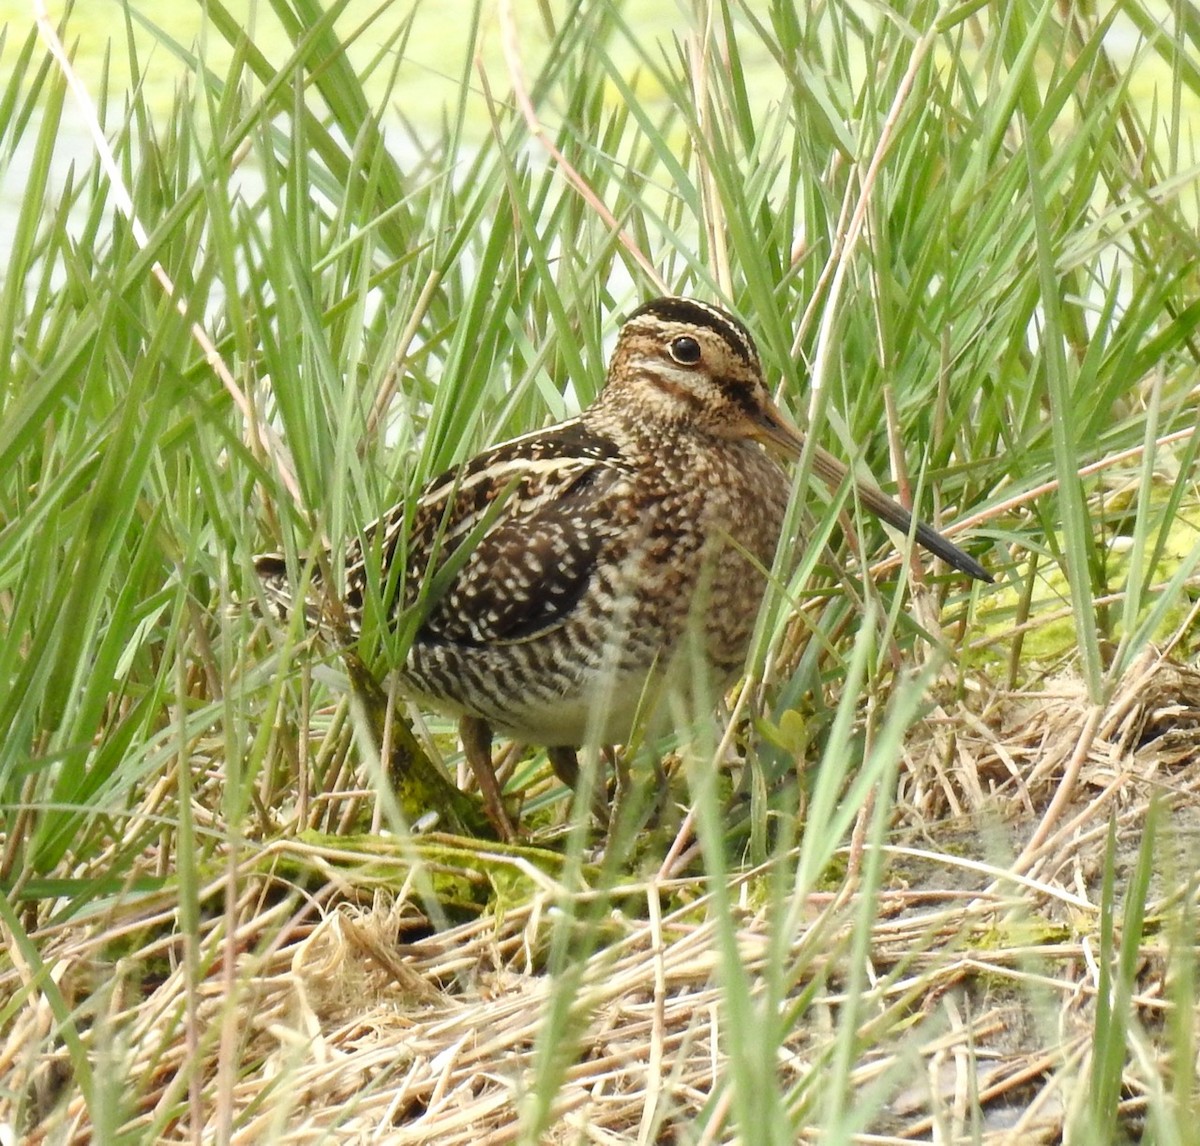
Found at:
[834, 473]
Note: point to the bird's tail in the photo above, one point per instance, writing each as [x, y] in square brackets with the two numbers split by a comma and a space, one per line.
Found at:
[279, 593]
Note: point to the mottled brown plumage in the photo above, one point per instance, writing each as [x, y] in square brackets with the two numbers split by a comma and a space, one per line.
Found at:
[609, 534]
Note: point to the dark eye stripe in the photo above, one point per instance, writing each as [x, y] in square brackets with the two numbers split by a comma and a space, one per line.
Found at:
[693, 313]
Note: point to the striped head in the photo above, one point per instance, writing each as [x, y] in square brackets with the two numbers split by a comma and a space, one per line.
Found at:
[690, 365]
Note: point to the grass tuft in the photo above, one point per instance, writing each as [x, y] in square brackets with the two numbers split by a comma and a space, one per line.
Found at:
[931, 876]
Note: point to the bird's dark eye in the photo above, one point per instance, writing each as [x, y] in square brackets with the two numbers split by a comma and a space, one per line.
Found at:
[685, 351]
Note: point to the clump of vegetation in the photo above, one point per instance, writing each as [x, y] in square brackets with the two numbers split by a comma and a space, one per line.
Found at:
[928, 873]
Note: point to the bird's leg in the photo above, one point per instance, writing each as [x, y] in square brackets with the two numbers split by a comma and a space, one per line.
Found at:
[621, 787]
[565, 762]
[662, 790]
[476, 736]
[564, 759]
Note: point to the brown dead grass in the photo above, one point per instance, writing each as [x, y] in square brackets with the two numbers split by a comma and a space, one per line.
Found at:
[342, 1017]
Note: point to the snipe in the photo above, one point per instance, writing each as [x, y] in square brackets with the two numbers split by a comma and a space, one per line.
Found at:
[597, 541]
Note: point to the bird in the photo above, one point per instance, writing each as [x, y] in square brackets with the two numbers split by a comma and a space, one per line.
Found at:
[568, 564]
